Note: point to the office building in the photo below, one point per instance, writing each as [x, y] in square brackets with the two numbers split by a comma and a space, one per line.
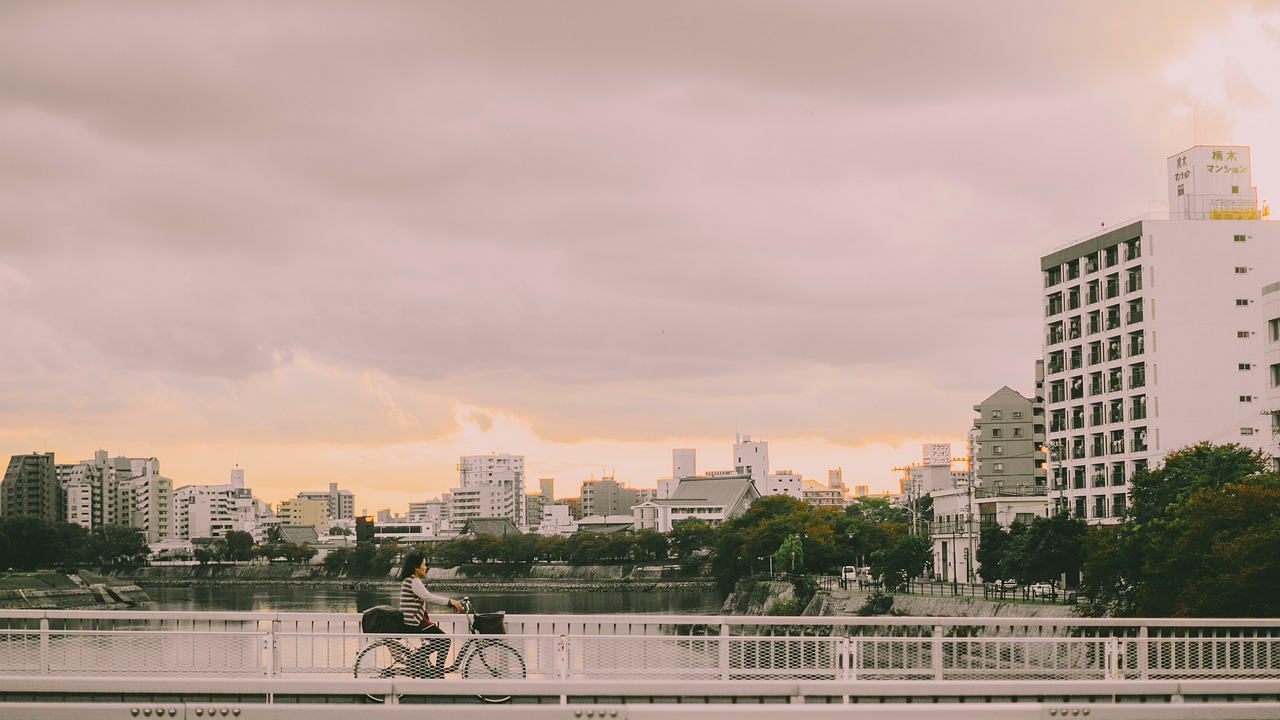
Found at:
[30, 488]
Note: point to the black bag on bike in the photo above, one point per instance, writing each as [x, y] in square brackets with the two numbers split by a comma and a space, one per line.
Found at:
[490, 623]
[382, 620]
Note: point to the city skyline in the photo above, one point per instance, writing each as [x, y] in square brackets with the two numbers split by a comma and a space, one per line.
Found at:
[354, 244]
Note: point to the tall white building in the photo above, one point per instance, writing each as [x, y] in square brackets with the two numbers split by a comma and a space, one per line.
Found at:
[1155, 333]
[489, 486]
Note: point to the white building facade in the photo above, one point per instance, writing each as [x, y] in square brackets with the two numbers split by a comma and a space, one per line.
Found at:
[489, 486]
[1155, 334]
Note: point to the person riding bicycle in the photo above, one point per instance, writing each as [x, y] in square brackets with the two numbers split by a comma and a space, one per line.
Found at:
[414, 597]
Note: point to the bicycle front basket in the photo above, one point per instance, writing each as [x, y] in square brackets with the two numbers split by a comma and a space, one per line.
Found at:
[491, 623]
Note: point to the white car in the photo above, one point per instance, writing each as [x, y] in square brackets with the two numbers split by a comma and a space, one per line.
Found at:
[1045, 590]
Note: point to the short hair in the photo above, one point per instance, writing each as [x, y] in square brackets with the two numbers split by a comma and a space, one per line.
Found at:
[412, 560]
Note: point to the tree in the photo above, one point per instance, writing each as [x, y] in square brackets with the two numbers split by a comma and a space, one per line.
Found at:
[790, 554]
[1199, 539]
[689, 537]
[239, 545]
[900, 563]
[110, 544]
[31, 543]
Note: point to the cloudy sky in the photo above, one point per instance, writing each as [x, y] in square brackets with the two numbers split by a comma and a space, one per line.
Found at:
[349, 242]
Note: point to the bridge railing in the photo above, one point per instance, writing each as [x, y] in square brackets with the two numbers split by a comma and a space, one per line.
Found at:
[709, 648]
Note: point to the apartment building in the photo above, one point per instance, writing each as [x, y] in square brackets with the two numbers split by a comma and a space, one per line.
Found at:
[489, 486]
[342, 504]
[1155, 335]
[607, 496]
[30, 488]
[212, 511]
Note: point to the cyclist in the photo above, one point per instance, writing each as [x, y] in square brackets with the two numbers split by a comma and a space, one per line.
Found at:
[414, 597]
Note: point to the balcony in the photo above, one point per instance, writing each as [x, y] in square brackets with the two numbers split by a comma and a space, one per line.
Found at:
[1022, 490]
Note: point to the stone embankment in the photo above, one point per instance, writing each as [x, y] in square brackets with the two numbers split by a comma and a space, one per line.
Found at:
[96, 596]
[580, 578]
[762, 598]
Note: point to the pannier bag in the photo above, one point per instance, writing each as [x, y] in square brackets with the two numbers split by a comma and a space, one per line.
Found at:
[491, 623]
[382, 619]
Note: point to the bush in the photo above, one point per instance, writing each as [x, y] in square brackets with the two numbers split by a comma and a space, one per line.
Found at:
[878, 603]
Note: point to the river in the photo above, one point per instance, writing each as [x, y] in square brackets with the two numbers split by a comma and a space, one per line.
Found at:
[301, 597]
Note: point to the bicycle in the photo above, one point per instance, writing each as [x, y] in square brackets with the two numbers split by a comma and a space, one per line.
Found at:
[481, 656]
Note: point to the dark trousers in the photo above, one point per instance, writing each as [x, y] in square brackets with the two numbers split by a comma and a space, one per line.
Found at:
[430, 659]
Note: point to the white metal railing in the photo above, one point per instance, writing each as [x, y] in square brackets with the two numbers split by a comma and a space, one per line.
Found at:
[652, 647]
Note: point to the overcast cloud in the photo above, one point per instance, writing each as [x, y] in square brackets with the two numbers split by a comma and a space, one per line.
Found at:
[352, 241]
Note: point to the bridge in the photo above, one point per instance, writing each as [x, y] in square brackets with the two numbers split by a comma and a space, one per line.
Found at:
[127, 664]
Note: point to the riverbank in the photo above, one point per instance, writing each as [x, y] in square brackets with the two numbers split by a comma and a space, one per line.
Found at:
[68, 591]
[466, 578]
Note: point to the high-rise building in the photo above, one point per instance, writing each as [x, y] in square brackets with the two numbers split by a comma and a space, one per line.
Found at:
[304, 511]
[1154, 333]
[489, 486]
[30, 488]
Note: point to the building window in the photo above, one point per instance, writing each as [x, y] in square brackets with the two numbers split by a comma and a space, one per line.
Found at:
[1017, 432]
[1180, 191]
[997, 432]
[1273, 329]
[1245, 366]
[1243, 333]
[1235, 189]
[1241, 270]
[1246, 398]
[997, 467]
[1017, 414]
[997, 449]
[1246, 431]
[1275, 378]
[1239, 238]
[997, 415]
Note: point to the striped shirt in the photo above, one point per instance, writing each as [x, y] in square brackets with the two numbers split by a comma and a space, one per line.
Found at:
[414, 597]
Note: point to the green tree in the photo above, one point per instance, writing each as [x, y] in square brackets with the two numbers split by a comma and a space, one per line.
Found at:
[32, 543]
[689, 537]
[649, 546]
[110, 544]
[1195, 541]
[790, 554]
[901, 562]
[338, 560]
[239, 545]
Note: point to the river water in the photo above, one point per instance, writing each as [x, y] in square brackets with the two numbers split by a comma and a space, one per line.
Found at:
[321, 598]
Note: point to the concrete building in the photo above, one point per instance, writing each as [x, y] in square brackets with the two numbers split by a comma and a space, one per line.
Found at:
[819, 495]
[489, 486]
[1154, 333]
[212, 511]
[607, 496]
[342, 504]
[752, 459]
[30, 488]
[535, 502]
[304, 511]
[784, 482]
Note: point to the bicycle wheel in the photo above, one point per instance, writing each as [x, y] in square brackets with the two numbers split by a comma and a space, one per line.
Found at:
[385, 658]
[493, 659]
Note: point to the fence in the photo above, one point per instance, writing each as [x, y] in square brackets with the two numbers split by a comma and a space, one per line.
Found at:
[712, 648]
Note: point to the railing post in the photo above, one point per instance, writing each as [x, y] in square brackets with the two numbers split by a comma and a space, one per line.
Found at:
[273, 648]
[724, 651]
[1112, 671]
[44, 644]
[562, 658]
[937, 652]
[1143, 641]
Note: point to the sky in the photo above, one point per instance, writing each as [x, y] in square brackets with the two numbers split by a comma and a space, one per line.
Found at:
[351, 242]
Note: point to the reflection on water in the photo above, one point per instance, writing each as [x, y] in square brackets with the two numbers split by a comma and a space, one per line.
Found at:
[321, 598]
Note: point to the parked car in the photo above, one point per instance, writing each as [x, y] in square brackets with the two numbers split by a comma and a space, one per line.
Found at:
[1043, 590]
